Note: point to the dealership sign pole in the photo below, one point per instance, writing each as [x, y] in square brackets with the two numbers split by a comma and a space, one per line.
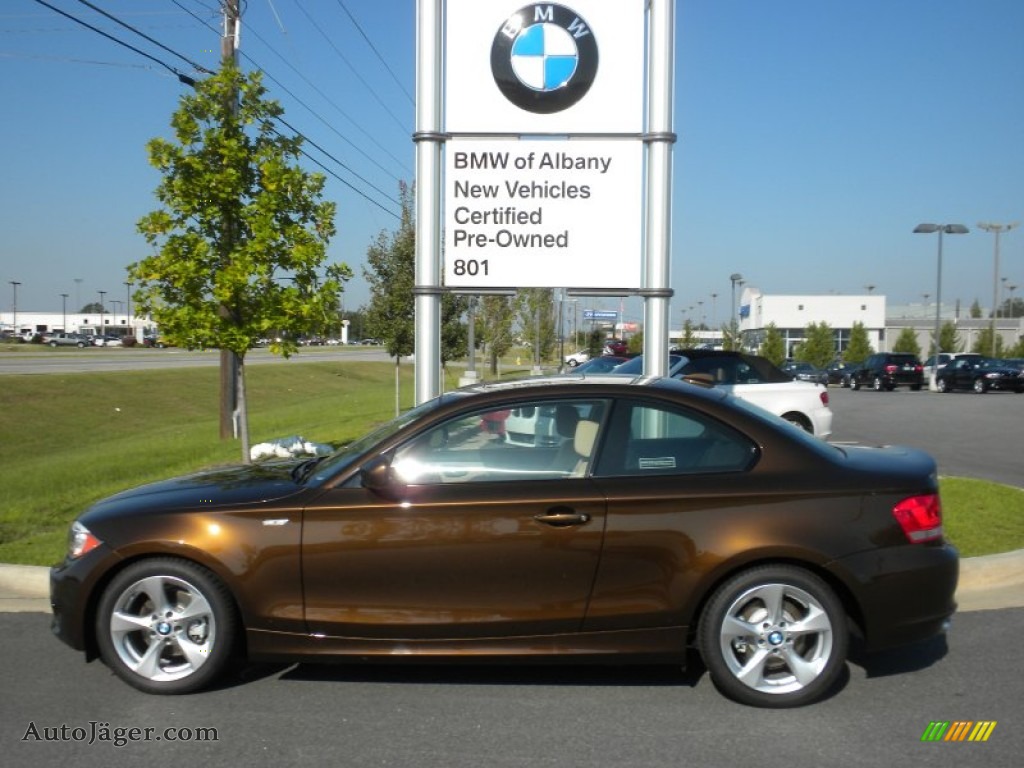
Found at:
[544, 151]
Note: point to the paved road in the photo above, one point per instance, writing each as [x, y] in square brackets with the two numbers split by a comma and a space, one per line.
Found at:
[970, 435]
[94, 360]
[532, 717]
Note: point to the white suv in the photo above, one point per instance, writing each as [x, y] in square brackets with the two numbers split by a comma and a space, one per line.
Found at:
[754, 379]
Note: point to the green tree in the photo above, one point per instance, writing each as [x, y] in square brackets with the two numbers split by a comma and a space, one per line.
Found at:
[537, 316]
[390, 272]
[975, 310]
[983, 342]
[241, 233]
[496, 317]
[93, 308]
[731, 336]
[1012, 308]
[636, 343]
[949, 338]
[818, 347]
[774, 346]
[907, 342]
[689, 340]
[859, 348]
[1017, 350]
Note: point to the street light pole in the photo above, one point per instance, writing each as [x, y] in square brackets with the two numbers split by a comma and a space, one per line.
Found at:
[102, 309]
[948, 229]
[64, 310]
[14, 306]
[997, 230]
[734, 278]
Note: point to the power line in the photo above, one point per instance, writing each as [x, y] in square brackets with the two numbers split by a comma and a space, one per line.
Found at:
[182, 77]
[374, 49]
[143, 35]
[355, 72]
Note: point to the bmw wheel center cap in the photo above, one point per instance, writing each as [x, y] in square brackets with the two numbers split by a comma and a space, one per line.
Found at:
[544, 58]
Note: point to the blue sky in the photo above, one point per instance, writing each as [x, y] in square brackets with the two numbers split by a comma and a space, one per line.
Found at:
[813, 136]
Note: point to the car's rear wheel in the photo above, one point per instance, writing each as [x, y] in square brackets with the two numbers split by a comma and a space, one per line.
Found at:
[799, 420]
[979, 386]
[941, 385]
[854, 384]
[774, 636]
[166, 625]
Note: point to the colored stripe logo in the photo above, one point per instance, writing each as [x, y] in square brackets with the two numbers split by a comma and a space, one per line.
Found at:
[958, 730]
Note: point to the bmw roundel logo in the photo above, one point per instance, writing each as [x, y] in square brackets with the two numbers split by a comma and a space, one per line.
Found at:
[544, 58]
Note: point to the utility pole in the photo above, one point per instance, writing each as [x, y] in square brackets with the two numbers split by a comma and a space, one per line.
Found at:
[228, 359]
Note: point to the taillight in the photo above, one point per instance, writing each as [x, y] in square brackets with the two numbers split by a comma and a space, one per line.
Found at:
[891, 368]
[920, 517]
[824, 397]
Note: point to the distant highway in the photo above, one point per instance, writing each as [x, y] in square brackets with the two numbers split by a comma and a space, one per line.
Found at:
[44, 361]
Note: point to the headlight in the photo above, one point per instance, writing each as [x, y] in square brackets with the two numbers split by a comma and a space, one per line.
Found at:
[80, 541]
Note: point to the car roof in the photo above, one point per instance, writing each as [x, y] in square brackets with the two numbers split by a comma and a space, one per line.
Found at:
[605, 383]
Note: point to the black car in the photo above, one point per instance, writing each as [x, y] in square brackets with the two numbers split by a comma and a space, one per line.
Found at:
[980, 375]
[806, 372]
[888, 370]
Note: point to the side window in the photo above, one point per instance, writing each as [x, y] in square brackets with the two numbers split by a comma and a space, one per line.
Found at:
[659, 440]
[548, 440]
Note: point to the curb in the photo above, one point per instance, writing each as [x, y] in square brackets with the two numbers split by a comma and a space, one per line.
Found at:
[992, 581]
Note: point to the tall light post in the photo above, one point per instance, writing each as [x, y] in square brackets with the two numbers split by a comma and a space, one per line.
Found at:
[64, 310]
[102, 294]
[734, 278]
[997, 230]
[14, 306]
[942, 229]
[128, 296]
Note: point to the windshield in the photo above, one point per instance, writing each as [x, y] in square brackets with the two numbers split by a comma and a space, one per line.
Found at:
[347, 454]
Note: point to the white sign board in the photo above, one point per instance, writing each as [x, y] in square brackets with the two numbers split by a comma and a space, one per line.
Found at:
[543, 213]
[572, 67]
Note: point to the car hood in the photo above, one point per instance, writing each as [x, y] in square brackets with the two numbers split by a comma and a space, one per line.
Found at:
[210, 489]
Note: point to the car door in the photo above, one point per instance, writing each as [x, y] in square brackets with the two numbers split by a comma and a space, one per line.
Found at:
[476, 537]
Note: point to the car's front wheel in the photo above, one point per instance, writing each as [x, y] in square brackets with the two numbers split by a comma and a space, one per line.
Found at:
[980, 386]
[878, 384]
[166, 625]
[941, 385]
[774, 636]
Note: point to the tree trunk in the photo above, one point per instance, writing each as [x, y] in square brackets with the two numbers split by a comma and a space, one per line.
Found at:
[242, 411]
[398, 407]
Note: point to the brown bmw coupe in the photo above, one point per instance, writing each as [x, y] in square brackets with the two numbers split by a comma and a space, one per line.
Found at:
[630, 520]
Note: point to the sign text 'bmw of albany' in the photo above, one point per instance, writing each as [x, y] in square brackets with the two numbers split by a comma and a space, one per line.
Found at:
[543, 213]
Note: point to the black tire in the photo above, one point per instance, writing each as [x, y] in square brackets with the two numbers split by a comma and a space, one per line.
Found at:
[979, 386]
[53, 344]
[178, 629]
[941, 385]
[854, 384]
[877, 384]
[774, 636]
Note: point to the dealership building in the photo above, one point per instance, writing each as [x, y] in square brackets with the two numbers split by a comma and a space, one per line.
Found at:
[792, 314]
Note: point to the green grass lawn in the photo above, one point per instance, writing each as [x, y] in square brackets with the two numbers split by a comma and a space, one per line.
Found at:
[69, 440]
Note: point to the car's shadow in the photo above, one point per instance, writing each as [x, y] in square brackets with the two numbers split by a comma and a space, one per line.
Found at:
[878, 664]
[897, 661]
[556, 673]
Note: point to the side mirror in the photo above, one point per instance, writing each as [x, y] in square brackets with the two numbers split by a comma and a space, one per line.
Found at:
[377, 476]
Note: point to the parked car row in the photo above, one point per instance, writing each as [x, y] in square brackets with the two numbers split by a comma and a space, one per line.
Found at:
[960, 370]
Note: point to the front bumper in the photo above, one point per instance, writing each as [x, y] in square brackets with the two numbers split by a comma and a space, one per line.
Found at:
[74, 589]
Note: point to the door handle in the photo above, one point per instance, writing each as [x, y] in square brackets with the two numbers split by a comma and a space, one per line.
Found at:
[562, 519]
